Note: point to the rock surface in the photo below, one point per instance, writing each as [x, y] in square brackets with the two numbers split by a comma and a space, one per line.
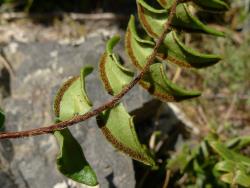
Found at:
[40, 69]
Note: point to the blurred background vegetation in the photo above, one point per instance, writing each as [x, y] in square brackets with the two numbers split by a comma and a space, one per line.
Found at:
[224, 107]
[66, 6]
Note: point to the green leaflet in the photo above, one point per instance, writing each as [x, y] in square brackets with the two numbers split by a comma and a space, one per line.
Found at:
[157, 83]
[138, 49]
[181, 160]
[2, 118]
[185, 20]
[234, 172]
[167, 4]
[71, 161]
[228, 154]
[113, 74]
[204, 165]
[182, 55]
[174, 50]
[235, 168]
[238, 142]
[229, 166]
[212, 5]
[238, 177]
[208, 5]
[116, 124]
[71, 98]
[153, 20]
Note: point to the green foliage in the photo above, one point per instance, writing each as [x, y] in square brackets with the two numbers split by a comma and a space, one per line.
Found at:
[157, 83]
[121, 135]
[139, 50]
[115, 123]
[174, 50]
[118, 127]
[227, 154]
[72, 100]
[185, 56]
[211, 164]
[211, 5]
[238, 142]
[234, 167]
[71, 161]
[153, 20]
[113, 74]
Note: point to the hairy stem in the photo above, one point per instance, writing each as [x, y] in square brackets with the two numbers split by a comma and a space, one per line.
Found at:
[108, 104]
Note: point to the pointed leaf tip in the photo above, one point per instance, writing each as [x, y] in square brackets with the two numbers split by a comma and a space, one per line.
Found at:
[71, 161]
[156, 81]
[234, 172]
[228, 154]
[72, 100]
[174, 50]
[212, 5]
[158, 84]
[118, 127]
[182, 55]
[153, 20]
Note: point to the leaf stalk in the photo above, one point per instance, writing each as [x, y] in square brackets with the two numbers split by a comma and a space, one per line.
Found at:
[107, 105]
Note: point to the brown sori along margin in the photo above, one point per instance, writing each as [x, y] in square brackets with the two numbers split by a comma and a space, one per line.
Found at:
[109, 104]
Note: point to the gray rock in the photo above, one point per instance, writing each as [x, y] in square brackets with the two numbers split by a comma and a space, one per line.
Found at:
[40, 70]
